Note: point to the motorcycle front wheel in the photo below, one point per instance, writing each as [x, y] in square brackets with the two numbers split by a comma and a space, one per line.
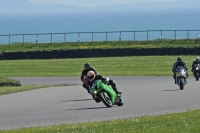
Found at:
[181, 83]
[106, 99]
[197, 76]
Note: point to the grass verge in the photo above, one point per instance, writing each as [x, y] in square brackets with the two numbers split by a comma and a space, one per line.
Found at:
[8, 82]
[186, 122]
[13, 89]
[16, 47]
[107, 66]
[4, 79]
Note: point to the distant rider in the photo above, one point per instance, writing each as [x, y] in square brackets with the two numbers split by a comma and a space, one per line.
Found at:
[179, 62]
[197, 61]
[92, 77]
[87, 68]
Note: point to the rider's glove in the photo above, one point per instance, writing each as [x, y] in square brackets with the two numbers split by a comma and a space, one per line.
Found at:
[82, 79]
[105, 80]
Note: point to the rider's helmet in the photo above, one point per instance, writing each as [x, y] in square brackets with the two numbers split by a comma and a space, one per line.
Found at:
[87, 66]
[197, 59]
[90, 76]
[179, 59]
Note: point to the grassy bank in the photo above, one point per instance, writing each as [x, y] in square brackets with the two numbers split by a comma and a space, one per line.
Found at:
[186, 122]
[13, 89]
[14, 47]
[109, 66]
[8, 82]
[4, 79]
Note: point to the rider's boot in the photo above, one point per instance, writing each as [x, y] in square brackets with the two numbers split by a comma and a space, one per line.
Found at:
[118, 94]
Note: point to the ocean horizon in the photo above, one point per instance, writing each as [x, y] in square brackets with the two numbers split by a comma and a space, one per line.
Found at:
[99, 22]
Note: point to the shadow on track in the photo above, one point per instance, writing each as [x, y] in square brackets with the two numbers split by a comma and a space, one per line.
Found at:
[78, 100]
[89, 108]
[171, 90]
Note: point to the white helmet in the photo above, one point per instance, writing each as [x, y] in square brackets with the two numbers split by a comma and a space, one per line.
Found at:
[91, 76]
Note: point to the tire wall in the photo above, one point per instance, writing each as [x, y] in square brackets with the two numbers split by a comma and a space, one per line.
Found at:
[86, 53]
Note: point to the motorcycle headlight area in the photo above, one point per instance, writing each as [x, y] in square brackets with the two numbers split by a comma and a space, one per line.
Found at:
[197, 68]
[95, 92]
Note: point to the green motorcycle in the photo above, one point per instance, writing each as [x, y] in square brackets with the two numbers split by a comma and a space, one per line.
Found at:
[106, 94]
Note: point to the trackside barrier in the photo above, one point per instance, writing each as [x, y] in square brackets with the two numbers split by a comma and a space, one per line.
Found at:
[78, 37]
[81, 53]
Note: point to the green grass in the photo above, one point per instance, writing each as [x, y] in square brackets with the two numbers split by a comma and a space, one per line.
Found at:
[14, 47]
[4, 79]
[109, 66]
[187, 122]
[13, 89]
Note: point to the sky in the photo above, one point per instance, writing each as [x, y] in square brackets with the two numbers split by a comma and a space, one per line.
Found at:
[61, 6]
[96, 3]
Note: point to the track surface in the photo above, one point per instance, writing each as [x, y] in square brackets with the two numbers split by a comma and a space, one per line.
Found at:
[72, 104]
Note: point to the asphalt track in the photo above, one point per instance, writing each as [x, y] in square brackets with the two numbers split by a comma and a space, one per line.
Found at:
[72, 104]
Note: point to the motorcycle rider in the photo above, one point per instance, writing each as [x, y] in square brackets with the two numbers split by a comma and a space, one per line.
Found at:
[92, 77]
[87, 68]
[179, 62]
[197, 61]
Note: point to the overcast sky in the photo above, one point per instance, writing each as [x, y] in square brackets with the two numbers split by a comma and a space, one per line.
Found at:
[95, 3]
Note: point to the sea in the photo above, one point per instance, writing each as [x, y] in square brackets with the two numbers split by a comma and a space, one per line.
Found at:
[100, 26]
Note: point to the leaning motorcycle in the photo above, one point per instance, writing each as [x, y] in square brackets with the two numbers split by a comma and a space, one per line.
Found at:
[106, 94]
[181, 77]
[196, 71]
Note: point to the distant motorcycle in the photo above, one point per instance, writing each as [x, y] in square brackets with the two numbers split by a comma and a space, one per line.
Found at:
[196, 71]
[181, 77]
[106, 94]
